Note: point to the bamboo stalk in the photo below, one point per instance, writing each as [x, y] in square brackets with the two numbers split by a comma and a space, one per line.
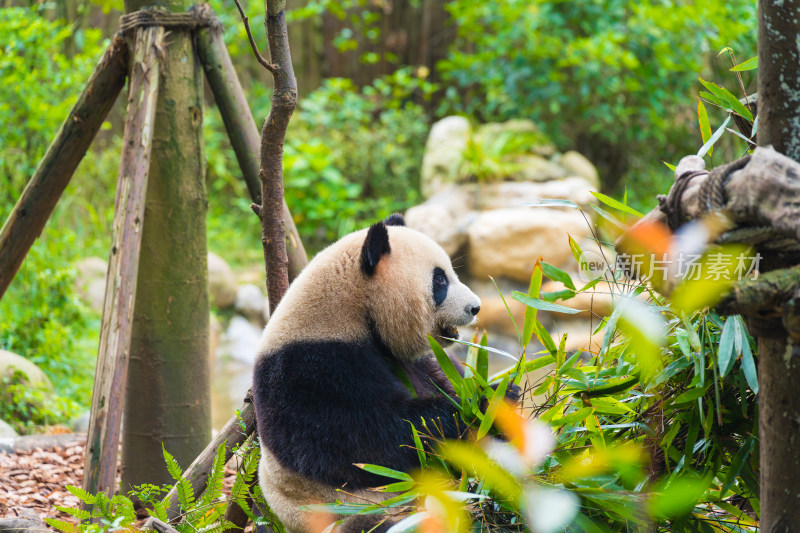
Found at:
[102, 442]
[241, 128]
[34, 207]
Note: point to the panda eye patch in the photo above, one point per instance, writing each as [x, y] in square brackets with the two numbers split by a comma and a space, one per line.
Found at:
[440, 284]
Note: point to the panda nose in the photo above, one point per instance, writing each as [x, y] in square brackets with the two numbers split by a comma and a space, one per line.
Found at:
[473, 309]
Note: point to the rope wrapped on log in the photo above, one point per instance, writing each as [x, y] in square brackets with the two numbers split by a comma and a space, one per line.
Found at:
[759, 194]
[199, 16]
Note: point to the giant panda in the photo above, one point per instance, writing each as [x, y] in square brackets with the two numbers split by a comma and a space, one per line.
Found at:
[327, 385]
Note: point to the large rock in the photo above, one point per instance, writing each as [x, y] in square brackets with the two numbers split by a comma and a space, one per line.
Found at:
[436, 221]
[443, 153]
[6, 431]
[250, 303]
[507, 242]
[578, 165]
[90, 281]
[537, 168]
[11, 363]
[14, 524]
[516, 194]
[444, 217]
[579, 335]
[222, 286]
[81, 424]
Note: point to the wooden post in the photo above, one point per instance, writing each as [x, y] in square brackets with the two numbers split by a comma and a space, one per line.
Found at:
[241, 128]
[36, 204]
[102, 443]
[778, 356]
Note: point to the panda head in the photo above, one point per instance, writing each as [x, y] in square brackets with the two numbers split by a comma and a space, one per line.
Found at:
[412, 290]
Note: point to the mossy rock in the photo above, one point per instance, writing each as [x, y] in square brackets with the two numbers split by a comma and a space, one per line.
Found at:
[10, 363]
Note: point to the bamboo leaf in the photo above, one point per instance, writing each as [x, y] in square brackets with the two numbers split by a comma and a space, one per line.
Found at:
[552, 202]
[385, 472]
[750, 64]
[705, 127]
[726, 96]
[725, 353]
[557, 274]
[616, 204]
[578, 416]
[749, 367]
[690, 395]
[737, 464]
[421, 455]
[494, 404]
[542, 305]
[447, 365]
[482, 367]
[530, 313]
[717, 134]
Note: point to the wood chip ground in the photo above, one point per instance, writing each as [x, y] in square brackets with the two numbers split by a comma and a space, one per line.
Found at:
[36, 480]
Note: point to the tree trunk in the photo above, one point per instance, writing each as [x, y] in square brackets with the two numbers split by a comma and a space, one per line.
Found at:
[779, 366]
[167, 396]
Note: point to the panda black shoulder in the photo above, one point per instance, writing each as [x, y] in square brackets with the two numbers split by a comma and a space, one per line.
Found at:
[304, 392]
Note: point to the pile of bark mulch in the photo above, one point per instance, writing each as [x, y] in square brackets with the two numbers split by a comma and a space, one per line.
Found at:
[34, 476]
[35, 471]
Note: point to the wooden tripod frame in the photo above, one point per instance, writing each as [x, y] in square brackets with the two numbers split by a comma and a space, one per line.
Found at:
[36, 204]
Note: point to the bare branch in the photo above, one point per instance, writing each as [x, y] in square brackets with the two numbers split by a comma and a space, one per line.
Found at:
[267, 65]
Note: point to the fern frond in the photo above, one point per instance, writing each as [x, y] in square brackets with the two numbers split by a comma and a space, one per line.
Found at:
[185, 494]
[160, 510]
[80, 514]
[215, 477]
[82, 495]
[62, 525]
[173, 467]
[123, 506]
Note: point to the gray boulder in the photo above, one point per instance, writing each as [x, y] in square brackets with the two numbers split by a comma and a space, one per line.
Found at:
[578, 165]
[250, 303]
[90, 281]
[222, 286]
[507, 242]
[6, 431]
[444, 151]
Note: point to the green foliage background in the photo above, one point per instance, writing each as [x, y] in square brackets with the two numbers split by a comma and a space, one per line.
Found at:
[616, 79]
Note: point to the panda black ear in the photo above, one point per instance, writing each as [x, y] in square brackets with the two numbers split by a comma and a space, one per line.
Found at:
[375, 246]
[395, 219]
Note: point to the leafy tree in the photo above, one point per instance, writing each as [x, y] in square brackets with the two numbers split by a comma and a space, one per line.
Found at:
[612, 78]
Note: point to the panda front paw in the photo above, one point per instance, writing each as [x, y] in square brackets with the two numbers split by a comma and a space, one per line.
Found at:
[513, 393]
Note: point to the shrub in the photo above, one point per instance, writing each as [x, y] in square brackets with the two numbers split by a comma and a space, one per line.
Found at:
[40, 85]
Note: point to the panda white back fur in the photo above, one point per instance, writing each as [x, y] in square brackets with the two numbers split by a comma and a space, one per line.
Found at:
[326, 388]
